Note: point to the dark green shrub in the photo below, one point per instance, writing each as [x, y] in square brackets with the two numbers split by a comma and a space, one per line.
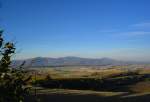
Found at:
[12, 80]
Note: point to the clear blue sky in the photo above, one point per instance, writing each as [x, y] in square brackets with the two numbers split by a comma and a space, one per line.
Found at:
[117, 29]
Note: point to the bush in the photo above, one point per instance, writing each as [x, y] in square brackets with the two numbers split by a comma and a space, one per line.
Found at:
[12, 81]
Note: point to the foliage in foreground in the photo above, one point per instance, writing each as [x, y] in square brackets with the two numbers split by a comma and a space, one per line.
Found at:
[12, 80]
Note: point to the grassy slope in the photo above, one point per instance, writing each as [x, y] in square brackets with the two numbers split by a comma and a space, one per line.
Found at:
[61, 95]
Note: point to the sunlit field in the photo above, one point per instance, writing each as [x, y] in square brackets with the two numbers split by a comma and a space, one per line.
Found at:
[115, 82]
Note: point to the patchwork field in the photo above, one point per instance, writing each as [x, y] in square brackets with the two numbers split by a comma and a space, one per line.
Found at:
[91, 84]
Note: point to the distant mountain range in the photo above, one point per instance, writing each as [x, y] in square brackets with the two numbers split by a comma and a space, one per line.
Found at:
[71, 61]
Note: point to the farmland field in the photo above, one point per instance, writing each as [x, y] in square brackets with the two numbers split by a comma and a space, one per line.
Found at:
[92, 84]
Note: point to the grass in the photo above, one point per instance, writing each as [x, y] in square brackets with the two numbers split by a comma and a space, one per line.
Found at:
[114, 84]
[65, 95]
[78, 92]
[141, 87]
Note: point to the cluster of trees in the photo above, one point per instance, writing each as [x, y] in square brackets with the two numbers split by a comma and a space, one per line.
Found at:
[12, 80]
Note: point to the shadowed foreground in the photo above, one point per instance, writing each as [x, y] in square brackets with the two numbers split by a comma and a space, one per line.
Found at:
[61, 95]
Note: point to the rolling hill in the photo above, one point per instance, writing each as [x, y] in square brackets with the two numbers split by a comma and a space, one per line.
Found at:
[70, 61]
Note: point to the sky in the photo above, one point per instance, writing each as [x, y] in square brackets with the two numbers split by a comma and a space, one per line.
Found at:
[118, 29]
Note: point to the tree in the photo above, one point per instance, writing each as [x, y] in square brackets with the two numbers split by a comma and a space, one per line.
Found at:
[12, 80]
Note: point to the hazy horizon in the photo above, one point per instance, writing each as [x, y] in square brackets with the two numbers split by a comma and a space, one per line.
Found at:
[117, 29]
[109, 58]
